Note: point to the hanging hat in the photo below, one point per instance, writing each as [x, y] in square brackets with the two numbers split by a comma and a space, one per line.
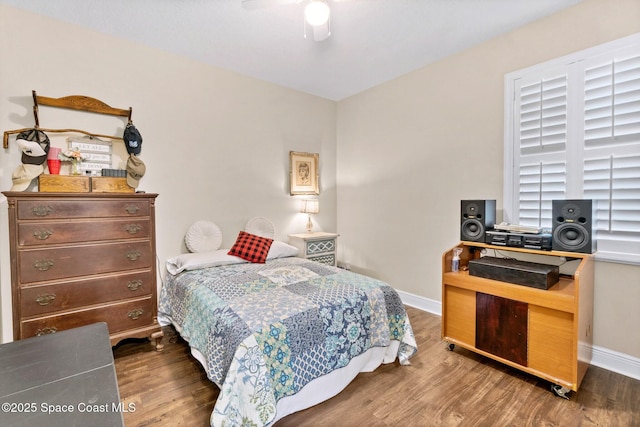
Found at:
[135, 170]
[24, 174]
[132, 139]
[29, 141]
[31, 148]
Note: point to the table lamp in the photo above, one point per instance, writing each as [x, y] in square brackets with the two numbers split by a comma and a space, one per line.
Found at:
[310, 206]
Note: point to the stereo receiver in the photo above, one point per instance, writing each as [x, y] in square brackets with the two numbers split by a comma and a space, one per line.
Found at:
[542, 241]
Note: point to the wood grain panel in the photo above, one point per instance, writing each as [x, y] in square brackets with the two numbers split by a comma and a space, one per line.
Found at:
[75, 261]
[59, 232]
[119, 317]
[72, 294]
[552, 346]
[501, 327]
[461, 315]
[58, 209]
[561, 296]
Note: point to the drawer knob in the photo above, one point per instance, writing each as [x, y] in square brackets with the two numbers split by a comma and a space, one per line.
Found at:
[134, 285]
[45, 299]
[42, 234]
[132, 208]
[43, 264]
[135, 314]
[133, 255]
[46, 331]
[132, 228]
[42, 210]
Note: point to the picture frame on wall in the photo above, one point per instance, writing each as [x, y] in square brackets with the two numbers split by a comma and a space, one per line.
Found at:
[304, 174]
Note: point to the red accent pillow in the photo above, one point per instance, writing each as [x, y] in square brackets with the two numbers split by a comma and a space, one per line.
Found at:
[251, 247]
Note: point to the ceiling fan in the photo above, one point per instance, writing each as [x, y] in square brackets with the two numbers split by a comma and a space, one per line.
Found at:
[317, 15]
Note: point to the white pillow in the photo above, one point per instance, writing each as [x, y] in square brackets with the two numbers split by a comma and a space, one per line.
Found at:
[203, 236]
[281, 250]
[261, 226]
[194, 261]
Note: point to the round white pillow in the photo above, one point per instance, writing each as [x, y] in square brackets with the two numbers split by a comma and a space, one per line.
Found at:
[261, 226]
[203, 236]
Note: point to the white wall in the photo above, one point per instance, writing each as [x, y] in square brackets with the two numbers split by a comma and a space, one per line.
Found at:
[216, 144]
[411, 149]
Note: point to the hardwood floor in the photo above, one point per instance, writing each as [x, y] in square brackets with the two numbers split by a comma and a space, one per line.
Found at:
[440, 388]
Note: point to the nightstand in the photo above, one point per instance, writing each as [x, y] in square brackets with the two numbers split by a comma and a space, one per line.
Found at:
[319, 246]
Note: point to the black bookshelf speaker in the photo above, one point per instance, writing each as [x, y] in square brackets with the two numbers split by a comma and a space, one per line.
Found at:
[573, 226]
[476, 217]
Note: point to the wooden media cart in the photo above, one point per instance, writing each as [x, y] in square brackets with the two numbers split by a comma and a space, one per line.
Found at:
[546, 333]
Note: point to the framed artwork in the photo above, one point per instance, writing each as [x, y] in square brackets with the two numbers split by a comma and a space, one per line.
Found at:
[303, 173]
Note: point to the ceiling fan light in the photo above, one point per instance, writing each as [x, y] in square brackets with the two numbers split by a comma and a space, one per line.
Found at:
[317, 12]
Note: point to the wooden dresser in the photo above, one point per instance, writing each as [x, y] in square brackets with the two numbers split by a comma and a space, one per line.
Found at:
[81, 258]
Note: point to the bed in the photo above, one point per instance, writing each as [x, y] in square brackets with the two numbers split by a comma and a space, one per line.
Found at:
[280, 335]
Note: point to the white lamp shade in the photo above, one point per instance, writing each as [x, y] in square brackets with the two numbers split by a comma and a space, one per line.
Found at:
[311, 206]
[317, 12]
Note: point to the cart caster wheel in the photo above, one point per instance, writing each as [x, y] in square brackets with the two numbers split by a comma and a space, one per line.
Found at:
[560, 391]
[451, 347]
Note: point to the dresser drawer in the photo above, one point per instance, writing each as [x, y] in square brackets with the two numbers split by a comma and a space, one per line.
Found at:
[58, 232]
[119, 317]
[39, 300]
[316, 247]
[328, 259]
[319, 246]
[78, 208]
[37, 265]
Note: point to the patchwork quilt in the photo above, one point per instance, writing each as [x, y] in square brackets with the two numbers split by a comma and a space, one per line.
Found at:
[267, 330]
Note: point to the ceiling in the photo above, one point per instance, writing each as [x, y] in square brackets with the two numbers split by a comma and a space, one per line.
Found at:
[372, 41]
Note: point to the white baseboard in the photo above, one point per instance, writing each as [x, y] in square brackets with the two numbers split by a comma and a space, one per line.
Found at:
[614, 361]
[422, 303]
[604, 358]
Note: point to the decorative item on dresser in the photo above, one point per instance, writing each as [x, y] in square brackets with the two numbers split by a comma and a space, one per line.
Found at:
[81, 258]
[318, 246]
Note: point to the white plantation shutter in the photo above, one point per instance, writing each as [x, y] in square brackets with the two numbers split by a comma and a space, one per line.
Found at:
[542, 115]
[572, 132]
[540, 183]
[540, 133]
[614, 182]
[612, 148]
[612, 101]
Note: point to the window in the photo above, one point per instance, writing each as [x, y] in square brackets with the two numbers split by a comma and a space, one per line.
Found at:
[572, 131]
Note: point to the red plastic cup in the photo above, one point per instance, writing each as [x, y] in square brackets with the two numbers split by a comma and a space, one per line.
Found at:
[54, 166]
[53, 153]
